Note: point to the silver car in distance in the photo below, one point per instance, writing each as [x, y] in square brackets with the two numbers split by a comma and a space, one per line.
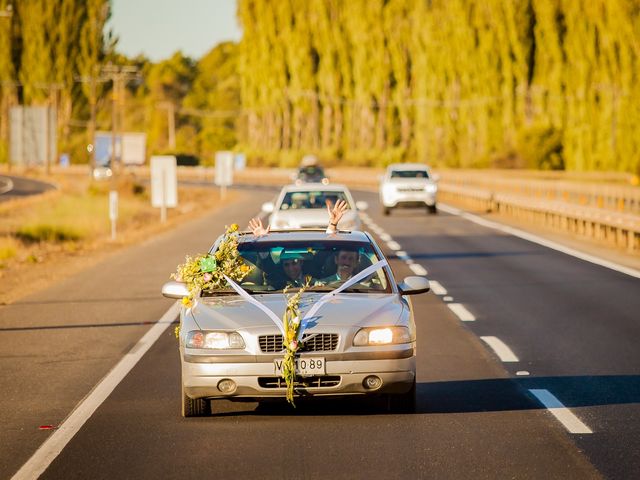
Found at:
[362, 341]
[305, 206]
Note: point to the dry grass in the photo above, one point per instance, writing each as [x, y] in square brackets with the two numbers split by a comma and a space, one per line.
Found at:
[47, 237]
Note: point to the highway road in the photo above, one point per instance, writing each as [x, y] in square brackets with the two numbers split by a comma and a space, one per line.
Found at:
[528, 367]
[18, 187]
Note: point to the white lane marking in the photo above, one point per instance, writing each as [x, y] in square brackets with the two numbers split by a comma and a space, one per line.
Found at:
[558, 410]
[500, 348]
[394, 245]
[402, 255]
[447, 298]
[522, 373]
[418, 269]
[8, 185]
[52, 447]
[462, 313]
[437, 288]
[385, 237]
[542, 241]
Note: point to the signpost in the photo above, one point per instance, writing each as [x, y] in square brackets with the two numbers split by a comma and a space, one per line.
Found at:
[224, 171]
[113, 212]
[164, 183]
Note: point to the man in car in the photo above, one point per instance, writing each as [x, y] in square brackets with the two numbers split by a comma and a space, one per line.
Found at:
[346, 262]
[292, 267]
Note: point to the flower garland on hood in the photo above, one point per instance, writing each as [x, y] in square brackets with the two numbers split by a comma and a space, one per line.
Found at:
[207, 272]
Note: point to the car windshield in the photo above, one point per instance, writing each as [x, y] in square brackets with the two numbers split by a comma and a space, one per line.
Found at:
[311, 199]
[311, 171]
[276, 266]
[409, 174]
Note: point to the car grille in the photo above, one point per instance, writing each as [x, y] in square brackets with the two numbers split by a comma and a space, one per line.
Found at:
[311, 342]
[301, 382]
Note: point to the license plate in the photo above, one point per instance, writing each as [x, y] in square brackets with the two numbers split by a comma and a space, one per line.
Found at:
[304, 366]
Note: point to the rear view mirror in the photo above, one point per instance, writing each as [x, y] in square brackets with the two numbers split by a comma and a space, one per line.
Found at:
[175, 290]
[267, 207]
[413, 285]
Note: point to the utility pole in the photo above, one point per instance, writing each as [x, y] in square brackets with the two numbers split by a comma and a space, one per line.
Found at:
[171, 123]
[118, 74]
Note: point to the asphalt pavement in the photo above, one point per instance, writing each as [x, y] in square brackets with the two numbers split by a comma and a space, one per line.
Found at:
[569, 326]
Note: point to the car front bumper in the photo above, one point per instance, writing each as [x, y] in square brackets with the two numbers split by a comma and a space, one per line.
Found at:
[395, 199]
[255, 378]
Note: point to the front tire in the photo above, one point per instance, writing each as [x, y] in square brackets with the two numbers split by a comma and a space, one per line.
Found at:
[195, 407]
[432, 209]
[386, 210]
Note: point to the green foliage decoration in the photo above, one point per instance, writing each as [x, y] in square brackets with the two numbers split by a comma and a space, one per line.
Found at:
[206, 272]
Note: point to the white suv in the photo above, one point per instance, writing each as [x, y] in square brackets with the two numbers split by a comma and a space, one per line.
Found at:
[408, 185]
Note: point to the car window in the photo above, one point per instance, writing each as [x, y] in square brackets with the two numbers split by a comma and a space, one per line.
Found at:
[280, 265]
[310, 199]
[409, 174]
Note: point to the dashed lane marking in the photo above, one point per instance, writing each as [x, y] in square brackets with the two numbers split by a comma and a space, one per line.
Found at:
[501, 349]
[418, 269]
[394, 245]
[437, 288]
[462, 313]
[565, 416]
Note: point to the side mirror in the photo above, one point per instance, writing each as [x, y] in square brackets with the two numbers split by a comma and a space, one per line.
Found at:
[413, 285]
[435, 177]
[267, 207]
[175, 290]
[362, 205]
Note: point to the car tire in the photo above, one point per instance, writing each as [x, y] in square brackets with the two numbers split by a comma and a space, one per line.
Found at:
[432, 209]
[403, 402]
[195, 407]
[386, 210]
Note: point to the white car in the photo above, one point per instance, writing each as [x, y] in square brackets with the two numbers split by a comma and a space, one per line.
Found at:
[406, 185]
[305, 206]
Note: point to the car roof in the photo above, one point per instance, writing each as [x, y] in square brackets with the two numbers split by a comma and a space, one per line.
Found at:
[305, 235]
[312, 187]
[407, 166]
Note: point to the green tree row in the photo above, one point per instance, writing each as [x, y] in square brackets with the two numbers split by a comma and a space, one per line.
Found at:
[462, 83]
[58, 53]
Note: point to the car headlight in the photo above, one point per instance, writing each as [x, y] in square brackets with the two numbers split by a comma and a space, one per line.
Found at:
[388, 189]
[214, 340]
[381, 336]
[431, 188]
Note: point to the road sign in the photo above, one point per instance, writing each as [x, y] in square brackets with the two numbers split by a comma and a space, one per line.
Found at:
[164, 183]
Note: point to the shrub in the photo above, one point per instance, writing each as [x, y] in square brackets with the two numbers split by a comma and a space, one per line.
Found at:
[47, 233]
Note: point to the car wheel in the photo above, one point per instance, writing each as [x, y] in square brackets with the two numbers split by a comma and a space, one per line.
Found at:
[195, 407]
[432, 209]
[386, 210]
[404, 402]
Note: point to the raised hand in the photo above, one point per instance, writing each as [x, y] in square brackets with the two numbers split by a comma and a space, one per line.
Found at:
[336, 213]
[255, 225]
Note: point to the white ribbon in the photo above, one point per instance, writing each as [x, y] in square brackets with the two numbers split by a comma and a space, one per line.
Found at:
[309, 315]
[243, 293]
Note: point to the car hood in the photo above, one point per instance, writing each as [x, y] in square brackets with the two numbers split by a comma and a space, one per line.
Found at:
[343, 311]
[309, 218]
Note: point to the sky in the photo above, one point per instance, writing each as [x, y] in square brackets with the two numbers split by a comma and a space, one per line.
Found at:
[158, 28]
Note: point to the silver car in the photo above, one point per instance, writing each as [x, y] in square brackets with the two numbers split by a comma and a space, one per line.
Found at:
[305, 206]
[361, 341]
[408, 185]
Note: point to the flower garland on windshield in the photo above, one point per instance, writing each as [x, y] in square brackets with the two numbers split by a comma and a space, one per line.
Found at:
[291, 323]
[206, 271]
